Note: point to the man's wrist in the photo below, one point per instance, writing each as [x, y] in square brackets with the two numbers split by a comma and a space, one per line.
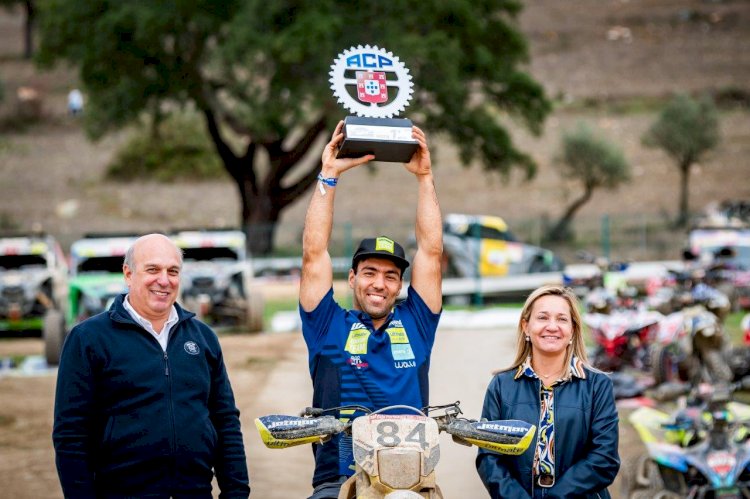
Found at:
[329, 172]
[329, 181]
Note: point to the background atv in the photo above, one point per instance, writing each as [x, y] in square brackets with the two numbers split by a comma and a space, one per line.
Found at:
[33, 285]
[217, 279]
[96, 274]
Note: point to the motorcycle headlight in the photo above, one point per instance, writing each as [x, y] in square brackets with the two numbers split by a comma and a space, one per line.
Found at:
[399, 468]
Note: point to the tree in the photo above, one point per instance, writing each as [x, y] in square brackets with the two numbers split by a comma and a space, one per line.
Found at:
[28, 26]
[594, 163]
[686, 129]
[258, 72]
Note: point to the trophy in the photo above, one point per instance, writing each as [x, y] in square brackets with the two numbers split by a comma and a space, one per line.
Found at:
[362, 79]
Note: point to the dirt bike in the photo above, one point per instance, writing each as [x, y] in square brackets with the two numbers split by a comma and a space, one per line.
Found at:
[699, 451]
[395, 455]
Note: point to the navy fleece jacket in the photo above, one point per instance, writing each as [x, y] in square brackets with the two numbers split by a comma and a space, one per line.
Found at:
[134, 421]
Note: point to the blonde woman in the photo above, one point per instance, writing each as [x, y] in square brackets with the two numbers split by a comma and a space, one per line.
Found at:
[551, 384]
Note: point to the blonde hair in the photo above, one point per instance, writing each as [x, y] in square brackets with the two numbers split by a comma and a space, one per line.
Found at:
[577, 346]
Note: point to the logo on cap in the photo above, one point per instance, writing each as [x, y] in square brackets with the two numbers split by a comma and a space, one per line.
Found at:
[384, 244]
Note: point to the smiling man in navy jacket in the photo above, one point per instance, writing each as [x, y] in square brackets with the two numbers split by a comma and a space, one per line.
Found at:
[143, 406]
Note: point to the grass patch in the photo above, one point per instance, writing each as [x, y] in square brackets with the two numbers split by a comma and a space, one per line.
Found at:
[272, 307]
[732, 327]
[6, 420]
[259, 362]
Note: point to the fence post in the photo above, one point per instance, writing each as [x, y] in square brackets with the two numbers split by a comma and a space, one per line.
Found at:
[348, 240]
[605, 237]
[476, 233]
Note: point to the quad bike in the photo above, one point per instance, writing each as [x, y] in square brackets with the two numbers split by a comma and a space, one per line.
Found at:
[699, 451]
[692, 346]
[623, 338]
[395, 455]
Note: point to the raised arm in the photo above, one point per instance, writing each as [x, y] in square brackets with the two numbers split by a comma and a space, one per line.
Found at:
[426, 274]
[317, 269]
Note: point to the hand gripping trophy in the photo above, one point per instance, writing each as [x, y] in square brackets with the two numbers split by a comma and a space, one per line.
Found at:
[374, 85]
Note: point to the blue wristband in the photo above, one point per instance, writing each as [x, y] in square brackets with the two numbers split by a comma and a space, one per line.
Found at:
[330, 182]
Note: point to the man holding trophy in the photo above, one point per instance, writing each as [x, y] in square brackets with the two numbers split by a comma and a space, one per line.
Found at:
[376, 354]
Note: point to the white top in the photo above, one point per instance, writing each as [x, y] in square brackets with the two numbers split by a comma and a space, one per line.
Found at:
[162, 337]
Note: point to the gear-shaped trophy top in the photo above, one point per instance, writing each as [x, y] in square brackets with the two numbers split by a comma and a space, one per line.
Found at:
[364, 72]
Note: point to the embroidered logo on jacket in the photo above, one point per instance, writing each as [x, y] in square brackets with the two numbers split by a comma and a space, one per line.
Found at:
[192, 348]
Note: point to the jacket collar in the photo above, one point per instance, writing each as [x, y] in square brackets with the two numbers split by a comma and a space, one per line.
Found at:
[118, 312]
[576, 369]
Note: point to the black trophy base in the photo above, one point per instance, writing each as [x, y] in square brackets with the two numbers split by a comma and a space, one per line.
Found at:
[389, 139]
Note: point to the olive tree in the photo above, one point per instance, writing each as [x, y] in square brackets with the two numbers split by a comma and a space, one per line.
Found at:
[257, 71]
[592, 162]
[686, 129]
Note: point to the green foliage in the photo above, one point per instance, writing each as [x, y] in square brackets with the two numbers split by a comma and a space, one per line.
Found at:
[685, 129]
[260, 69]
[270, 60]
[7, 222]
[593, 160]
[594, 163]
[180, 151]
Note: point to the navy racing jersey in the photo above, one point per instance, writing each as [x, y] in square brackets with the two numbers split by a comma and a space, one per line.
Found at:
[351, 363]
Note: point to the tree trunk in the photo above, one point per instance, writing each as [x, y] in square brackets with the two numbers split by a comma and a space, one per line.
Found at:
[684, 210]
[260, 214]
[560, 232]
[28, 47]
[263, 199]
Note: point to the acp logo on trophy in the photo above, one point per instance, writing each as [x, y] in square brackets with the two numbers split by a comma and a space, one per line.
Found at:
[374, 85]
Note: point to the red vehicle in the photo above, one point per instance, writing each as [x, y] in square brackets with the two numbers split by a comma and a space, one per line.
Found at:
[623, 338]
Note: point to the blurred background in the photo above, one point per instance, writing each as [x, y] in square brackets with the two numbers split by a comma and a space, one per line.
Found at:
[566, 135]
[606, 68]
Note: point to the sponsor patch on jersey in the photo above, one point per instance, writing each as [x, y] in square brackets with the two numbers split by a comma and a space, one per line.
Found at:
[402, 352]
[397, 334]
[356, 362]
[192, 348]
[404, 364]
[356, 342]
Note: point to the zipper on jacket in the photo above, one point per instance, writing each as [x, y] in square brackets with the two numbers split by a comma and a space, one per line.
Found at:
[554, 428]
[173, 444]
[536, 441]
